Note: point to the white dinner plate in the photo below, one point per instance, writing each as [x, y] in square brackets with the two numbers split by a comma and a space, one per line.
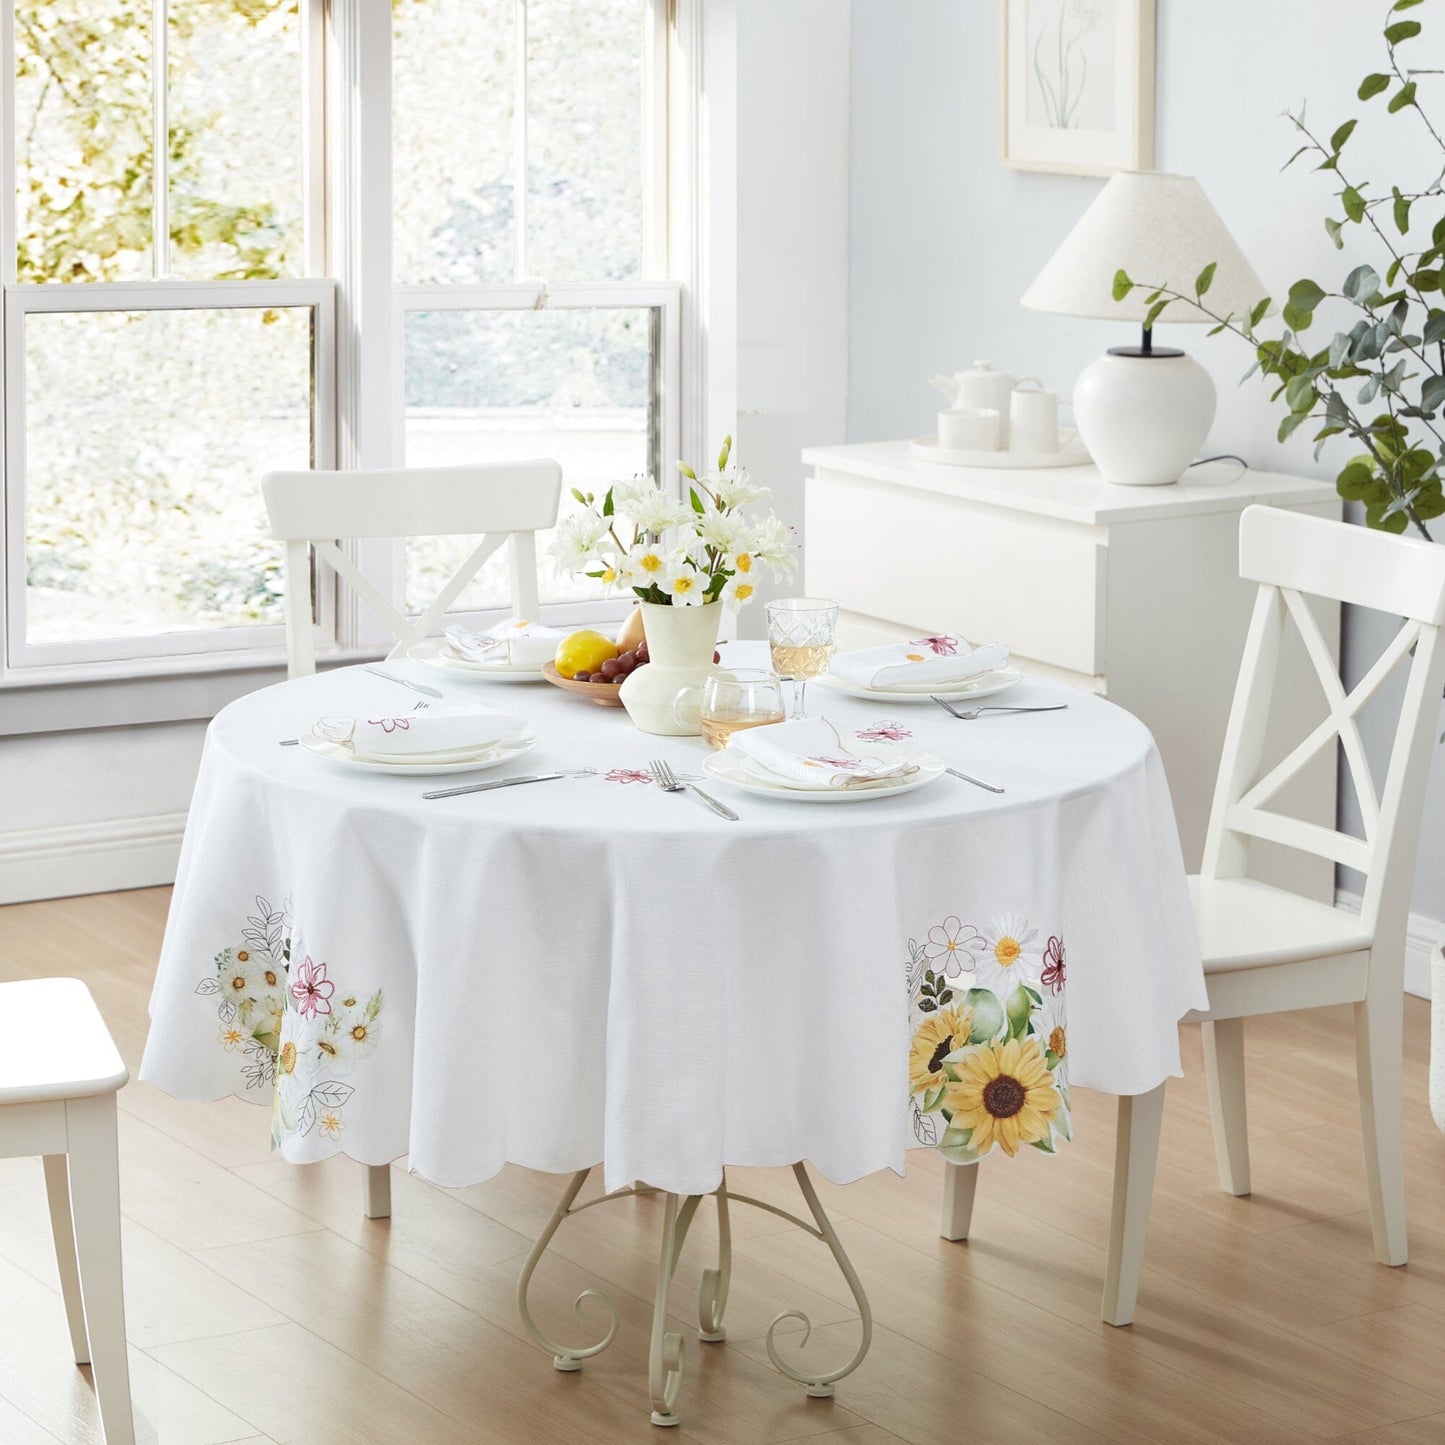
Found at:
[743, 773]
[422, 765]
[984, 686]
[438, 653]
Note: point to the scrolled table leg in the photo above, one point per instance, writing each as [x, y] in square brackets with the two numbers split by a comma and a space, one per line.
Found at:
[712, 1295]
[665, 1356]
[820, 1383]
[564, 1357]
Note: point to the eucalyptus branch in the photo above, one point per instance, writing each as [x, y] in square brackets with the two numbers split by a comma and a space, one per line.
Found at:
[1412, 103]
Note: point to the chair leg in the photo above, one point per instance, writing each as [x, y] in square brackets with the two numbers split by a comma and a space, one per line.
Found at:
[95, 1209]
[376, 1195]
[960, 1183]
[57, 1190]
[1136, 1152]
[1224, 1074]
[1379, 1026]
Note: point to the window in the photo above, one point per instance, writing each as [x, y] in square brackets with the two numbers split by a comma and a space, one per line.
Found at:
[161, 349]
[529, 180]
[207, 204]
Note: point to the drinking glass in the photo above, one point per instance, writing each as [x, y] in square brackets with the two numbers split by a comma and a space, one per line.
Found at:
[738, 697]
[800, 630]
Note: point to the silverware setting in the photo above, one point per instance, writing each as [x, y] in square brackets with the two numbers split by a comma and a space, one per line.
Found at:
[969, 713]
[405, 682]
[495, 783]
[977, 782]
[669, 782]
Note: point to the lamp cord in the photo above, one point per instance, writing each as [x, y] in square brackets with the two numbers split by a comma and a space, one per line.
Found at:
[1222, 457]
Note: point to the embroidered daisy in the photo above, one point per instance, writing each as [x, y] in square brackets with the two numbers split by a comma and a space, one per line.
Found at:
[330, 1124]
[953, 947]
[1052, 1023]
[1010, 957]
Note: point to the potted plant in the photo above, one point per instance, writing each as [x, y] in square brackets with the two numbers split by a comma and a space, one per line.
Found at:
[686, 561]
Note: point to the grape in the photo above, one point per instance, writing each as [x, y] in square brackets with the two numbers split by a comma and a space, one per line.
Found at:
[581, 677]
[626, 662]
[642, 657]
[717, 656]
[608, 670]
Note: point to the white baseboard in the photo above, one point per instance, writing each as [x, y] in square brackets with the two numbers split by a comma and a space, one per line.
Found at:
[89, 857]
[1422, 936]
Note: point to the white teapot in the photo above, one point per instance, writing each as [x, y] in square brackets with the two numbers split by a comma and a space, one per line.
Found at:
[982, 387]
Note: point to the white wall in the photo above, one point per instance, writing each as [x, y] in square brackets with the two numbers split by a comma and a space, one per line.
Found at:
[793, 179]
[944, 239]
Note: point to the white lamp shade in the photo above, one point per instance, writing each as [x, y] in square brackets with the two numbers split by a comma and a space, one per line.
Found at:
[1160, 229]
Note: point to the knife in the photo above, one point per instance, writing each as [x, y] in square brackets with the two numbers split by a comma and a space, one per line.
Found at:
[406, 682]
[495, 783]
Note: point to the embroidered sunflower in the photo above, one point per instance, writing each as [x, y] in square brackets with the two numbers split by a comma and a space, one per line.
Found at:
[937, 1037]
[1006, 1095]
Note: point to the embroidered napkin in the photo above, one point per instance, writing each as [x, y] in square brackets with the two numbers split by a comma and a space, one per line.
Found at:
[516, 641]
[465, 728]
[807, 754]
[922, 662]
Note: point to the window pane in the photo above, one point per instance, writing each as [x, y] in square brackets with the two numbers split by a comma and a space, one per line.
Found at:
[83, 132]
[486, 386]
[454, 71]
[584, 139]
[82, 138]
[236, 149]
[146, 437]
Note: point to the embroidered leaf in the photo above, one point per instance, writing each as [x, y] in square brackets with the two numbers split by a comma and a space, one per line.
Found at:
[306, 1114]
[227, 1011]
[988, 1016]
[927, 1005]
[332, 1094]
[932, 1099]
[1018, 1008]
[925, 1128]
[209, 985]
[1032, 993]
[1046, 1145]
[1052, 1059]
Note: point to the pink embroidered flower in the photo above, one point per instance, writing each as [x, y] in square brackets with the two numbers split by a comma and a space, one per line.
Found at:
[629, 775]
[312, 990]
[390, 724]
[952, 947]
[945, 646]
[884, 732]
[848, 763]
[1052, 977]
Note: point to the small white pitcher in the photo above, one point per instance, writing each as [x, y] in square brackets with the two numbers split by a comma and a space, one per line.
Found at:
[1033, 418]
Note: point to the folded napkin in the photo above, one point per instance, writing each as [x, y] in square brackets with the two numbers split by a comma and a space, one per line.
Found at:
[516, 641]
[807, 754]
[923, 662]
[463, 728]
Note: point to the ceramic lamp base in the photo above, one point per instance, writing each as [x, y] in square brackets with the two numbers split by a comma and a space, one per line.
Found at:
[1143, 417]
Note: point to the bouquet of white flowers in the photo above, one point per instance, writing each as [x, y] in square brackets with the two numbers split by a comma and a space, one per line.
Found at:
[637, 538]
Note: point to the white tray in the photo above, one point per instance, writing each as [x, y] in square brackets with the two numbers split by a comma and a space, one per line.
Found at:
[1070, 454]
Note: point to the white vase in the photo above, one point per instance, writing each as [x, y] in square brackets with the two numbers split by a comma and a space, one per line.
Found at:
[1437, 1035]
[661, 697]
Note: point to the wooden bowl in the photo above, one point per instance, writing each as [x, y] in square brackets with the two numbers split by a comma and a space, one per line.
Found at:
[604, 694]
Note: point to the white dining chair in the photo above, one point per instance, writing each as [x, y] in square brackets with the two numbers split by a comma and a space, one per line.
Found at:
[506, 502]
[59, 1075]
[1267, 950]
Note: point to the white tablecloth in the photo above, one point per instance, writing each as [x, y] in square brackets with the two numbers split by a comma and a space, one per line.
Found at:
[592, 969]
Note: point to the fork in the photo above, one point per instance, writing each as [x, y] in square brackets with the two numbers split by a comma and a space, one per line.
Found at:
[296, 742]
[968, 714]
[668, 781]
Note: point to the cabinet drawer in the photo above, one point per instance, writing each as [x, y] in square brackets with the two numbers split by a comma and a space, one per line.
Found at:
[929, 561]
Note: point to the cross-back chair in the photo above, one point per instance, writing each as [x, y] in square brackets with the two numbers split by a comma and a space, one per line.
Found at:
[1266, 949]
[507, 502]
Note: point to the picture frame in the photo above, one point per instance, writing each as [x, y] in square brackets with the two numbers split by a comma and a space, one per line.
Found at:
[1076, 85]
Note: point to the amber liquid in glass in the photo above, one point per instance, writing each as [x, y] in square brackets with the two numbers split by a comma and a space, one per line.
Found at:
[809, 661]
[717, 728]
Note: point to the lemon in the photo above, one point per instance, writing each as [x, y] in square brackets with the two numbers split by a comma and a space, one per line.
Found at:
[583, 652]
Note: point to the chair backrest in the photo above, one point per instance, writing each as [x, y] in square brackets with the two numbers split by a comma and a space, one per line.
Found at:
[1293, 556]
[507, 502]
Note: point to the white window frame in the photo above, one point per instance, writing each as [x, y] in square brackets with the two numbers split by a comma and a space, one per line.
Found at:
[689, 276]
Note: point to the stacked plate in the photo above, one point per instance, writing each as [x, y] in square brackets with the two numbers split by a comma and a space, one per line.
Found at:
[345, 741]
[984, 685]
[437, 652]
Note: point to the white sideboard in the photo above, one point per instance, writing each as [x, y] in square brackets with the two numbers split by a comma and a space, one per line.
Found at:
[1132, 592]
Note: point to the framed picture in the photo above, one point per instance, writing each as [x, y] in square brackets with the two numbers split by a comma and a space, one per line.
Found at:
[1077, 85]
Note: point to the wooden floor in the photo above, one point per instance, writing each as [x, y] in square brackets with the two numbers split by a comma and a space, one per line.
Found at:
[263, 1307]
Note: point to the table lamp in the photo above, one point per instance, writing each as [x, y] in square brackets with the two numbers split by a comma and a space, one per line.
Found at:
[1143, 411]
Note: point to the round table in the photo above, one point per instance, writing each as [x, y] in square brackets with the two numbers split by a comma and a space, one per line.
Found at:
[594, 971]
